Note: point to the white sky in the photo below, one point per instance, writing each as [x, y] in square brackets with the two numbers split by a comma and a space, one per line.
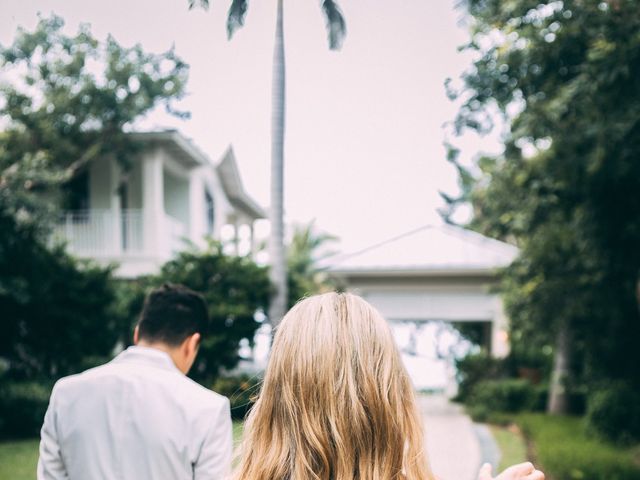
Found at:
[364, 149]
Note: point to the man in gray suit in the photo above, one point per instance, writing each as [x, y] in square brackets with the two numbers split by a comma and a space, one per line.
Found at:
[139, 417]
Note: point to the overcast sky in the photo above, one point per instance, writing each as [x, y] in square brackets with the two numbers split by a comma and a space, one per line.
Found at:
[364, 149]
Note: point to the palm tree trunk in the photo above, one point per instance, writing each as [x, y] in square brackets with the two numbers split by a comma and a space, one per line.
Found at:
[278, 272]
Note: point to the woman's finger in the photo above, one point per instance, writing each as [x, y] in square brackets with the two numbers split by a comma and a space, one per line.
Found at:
[520, 470]
[485, 472]
[536, 475]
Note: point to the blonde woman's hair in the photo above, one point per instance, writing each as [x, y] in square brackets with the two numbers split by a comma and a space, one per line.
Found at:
[336, 402]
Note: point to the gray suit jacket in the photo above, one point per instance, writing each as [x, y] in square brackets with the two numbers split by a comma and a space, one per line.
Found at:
[135, 418]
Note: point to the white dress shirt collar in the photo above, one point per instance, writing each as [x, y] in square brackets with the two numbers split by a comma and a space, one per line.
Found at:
[146, 356]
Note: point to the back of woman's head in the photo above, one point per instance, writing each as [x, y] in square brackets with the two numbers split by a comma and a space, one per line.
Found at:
[336, 402]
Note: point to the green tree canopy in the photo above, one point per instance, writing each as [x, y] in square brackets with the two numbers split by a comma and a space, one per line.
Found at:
[235, 289]
[565, 75]
[68, 99]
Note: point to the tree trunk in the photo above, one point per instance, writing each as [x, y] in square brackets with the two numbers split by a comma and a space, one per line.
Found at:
[278, 272]
[558, 394]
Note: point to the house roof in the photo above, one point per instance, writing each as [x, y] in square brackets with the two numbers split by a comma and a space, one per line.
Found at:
[232, 184]
[185, 151]
[180, 147]
[427, 250]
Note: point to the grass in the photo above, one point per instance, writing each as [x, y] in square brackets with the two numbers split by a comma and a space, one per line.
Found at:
[567, 451]
[511, 443]
[18, 458]
[562, 447]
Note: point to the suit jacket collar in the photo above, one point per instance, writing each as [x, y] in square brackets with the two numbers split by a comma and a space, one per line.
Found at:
[146, 356]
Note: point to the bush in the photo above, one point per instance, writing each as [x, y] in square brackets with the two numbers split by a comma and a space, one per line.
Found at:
[58, 310]
[614, 412]
[234, 288]
[475, 368]
[241, 392]
[509, 395]
[22, 408]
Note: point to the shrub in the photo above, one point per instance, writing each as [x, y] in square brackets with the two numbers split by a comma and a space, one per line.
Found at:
[509, 395]
[614, 412]
[234, 288]
[22, 408]
[58, 310]
[241, 392]
[473, 369]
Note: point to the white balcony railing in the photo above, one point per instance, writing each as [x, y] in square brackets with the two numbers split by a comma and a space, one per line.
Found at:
[176, 232]
[97, 233]
[108, 233]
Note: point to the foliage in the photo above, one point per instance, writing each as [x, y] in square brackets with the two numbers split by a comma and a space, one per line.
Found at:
[564, 77]
[613, 412]
[336, 25]
[58, 312]
[67, 100]
[507, 395]
[473, 369]
[304, 256]
[241, 390]
[22, 408]
[234, 288]
[566, 451]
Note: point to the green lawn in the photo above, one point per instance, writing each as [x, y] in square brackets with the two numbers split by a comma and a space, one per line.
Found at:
[512, 445]
[563, 447]
[567, 451]
[18, 458]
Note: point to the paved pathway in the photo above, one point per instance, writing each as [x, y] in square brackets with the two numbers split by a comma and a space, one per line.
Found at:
[453, 445]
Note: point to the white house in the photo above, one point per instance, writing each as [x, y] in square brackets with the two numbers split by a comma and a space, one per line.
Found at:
[172, 194]
[434, 273]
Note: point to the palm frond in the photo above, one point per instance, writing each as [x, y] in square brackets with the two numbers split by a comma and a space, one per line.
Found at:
[235, 18]
[336, 26]
[204, 4]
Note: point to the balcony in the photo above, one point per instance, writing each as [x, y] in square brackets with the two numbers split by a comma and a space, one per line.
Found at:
[119, 235]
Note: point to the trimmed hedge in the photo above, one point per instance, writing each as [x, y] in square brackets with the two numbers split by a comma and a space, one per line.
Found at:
[22, 408]
[614, 412]
[490, 397]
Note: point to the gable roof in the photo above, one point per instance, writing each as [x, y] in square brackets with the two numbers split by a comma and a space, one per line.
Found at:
[232, 185]
[180, 147]
[185, 151]
[427, 250]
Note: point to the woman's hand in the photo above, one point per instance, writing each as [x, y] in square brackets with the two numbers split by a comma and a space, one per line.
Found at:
[522, 471]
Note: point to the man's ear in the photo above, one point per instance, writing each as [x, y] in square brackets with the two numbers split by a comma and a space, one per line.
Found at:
[136, 335]
[193, 342]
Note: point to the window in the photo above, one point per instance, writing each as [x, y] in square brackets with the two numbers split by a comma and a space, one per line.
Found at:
[210, 211]
[77, 192]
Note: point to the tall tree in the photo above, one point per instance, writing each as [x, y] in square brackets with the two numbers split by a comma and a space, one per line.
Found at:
[66, 100]
[566, 78]
[336, 28]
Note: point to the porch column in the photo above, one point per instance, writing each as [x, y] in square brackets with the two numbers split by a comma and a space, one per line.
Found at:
[197, 208]
[252, 248]
[499, 330]
[236, 236]
[114, 246]
[154, 238]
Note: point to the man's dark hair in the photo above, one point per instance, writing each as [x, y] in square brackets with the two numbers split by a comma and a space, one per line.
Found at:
[171, 313]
